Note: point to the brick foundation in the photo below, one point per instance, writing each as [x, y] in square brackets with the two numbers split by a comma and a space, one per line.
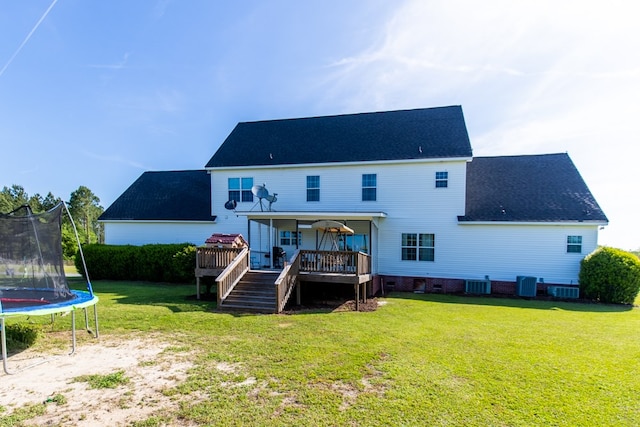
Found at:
[445, 286]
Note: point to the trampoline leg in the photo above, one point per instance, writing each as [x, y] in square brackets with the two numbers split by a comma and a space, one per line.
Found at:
[73, 332]
[4, 346]
[96, 334]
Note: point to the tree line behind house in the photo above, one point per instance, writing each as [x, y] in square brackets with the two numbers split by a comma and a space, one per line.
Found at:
[83, 205]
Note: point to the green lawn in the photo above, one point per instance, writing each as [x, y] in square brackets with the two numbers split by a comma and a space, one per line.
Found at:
[419, 360]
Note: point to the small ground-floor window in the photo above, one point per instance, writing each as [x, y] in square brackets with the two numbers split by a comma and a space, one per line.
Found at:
[290, 238]
[354, 242]
[418, 247]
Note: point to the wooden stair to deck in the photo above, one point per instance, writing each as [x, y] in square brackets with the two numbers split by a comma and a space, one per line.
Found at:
[255, 292]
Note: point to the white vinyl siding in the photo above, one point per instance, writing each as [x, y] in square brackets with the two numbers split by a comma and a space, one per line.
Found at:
[502, 251]
[143, 233]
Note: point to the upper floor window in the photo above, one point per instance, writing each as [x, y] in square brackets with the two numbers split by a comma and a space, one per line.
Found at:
[369, 183]
[574, 244]
[290, 238]
[442, 179]
[418, 247]
[240, 189]
[313, 188]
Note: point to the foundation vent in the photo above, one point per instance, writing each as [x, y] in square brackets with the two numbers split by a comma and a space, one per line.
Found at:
[477, 286]
[563, 291]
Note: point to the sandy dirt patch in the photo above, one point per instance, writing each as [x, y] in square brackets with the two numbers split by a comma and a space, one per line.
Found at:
[149, 368]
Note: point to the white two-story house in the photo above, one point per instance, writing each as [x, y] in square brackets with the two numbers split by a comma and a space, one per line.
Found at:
[405, 186]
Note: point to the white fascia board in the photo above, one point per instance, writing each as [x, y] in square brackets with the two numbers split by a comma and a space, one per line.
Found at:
[152, 221]
[338, 164]
[562, 223]
[311, 215]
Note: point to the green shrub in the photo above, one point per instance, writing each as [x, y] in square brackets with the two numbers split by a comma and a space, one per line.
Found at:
[610, 275]
[184, 263]
[154, 263]
[20, 336]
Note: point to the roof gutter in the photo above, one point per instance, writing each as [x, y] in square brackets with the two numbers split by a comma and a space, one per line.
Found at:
[563, 223]
[340, 164]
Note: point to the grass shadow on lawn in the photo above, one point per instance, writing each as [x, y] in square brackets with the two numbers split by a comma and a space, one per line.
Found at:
[540, 303]
[176, 297]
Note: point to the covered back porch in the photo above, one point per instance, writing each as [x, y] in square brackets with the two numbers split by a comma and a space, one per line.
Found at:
[341, 250]
[274, 236]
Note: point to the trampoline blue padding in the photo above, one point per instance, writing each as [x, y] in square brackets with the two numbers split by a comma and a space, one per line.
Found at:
[81, 299]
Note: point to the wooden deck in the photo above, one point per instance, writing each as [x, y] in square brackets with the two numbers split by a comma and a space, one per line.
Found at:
[211, 261]
[229, 265]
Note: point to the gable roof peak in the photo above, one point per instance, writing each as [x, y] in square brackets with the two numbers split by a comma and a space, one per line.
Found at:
[424, 133]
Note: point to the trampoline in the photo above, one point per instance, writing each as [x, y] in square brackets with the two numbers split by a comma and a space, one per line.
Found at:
[32, 278]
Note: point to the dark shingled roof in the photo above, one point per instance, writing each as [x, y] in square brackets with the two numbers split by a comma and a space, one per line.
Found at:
[392, 135]
[535, 188]
[165, 195]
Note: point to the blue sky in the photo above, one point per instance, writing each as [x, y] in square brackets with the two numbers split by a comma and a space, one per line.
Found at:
[95, 93]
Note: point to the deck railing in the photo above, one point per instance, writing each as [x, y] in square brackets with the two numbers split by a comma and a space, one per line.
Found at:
[231, 275]
[344, 262]
[211, 257]
[286, 281]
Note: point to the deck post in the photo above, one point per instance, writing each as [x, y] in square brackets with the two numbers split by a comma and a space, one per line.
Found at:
[197, 287]
[357, 286]
[298, 293]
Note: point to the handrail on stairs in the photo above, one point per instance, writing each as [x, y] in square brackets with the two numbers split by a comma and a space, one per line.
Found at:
[286, 281]
[231, 275]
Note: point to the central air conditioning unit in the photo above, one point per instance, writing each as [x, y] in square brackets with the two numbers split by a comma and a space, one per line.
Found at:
[477, 286]
[526, 286]
[564, 291]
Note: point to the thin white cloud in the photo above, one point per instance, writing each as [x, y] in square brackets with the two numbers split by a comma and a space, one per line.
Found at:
[161, 101]
[115, 159]
[532, 76]
[116, 66]
[26, 39]
[160, 8]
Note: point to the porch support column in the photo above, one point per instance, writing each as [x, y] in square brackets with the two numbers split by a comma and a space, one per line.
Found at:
[271, 242]
[357, 286]
[299, 293]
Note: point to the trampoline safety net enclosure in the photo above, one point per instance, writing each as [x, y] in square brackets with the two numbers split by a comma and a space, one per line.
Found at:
[32, 278]
[31, 260]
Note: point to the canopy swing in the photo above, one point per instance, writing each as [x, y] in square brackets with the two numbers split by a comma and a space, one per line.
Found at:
[332, 231]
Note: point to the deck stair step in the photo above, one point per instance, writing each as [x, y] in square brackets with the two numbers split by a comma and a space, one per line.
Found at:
[255, 292]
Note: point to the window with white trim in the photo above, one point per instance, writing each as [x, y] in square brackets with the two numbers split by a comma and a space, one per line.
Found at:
[353, 242]
[418, 247]
[369, 184]
[240, 189]
[574, 244]
[442, 179]
[313, 188]
[290, 238]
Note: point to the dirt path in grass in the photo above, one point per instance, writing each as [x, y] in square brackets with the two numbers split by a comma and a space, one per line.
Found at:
[149, 368]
